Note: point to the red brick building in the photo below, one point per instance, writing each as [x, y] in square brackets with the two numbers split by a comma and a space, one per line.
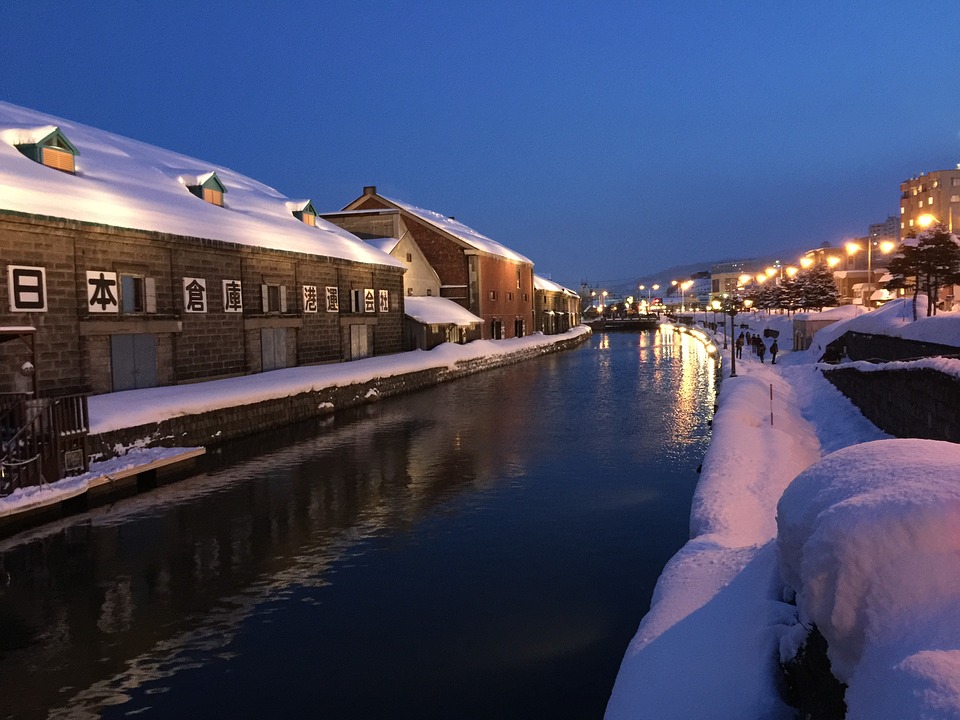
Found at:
[488, 279]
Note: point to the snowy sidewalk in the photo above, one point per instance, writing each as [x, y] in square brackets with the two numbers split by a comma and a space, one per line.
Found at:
[709, 643]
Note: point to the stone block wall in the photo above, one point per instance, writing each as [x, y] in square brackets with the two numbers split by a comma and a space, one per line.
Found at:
[921, 403]
[73, 346]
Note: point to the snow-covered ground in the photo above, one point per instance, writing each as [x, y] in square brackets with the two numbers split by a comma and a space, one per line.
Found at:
[801, 497]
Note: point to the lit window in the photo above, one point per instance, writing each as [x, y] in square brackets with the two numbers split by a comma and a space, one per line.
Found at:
[52, 150]
[911, 222]
[492, 295]
[955, 182]
[303, 211]
[214, 197]
[954, 198]
[929, 201]
[206, 187]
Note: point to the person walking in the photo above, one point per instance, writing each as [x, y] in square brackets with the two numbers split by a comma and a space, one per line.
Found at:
[774, 349]
[761, 348]
[739, 345]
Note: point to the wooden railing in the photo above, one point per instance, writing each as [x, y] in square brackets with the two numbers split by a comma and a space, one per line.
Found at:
[43, 439]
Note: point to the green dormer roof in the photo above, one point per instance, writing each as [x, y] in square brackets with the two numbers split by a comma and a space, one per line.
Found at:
[35, 139]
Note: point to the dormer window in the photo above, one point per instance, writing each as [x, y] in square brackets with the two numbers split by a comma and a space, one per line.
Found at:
[209, 188]
[304, 211]
[50, 147]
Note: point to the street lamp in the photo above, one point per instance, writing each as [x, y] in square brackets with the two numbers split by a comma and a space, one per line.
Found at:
[731, 306]
[717, 305]
[887, 246]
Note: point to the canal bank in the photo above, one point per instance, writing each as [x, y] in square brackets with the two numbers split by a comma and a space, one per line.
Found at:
[137, 435]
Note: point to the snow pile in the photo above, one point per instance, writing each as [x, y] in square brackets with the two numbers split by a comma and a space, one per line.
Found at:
[869, 538]
[438, 311]
[708, 640]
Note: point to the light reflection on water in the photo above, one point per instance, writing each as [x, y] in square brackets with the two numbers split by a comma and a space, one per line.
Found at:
[484, 548]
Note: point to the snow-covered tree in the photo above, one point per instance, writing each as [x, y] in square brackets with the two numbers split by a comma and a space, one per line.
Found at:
[926, 263]
[817, 288]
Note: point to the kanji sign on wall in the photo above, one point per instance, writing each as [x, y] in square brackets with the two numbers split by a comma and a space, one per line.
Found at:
[384, 301]
[28, 288]
[232, 296]
[102, 295]
[369, 303]
[333, 299]
[194, 295]
[311, 303]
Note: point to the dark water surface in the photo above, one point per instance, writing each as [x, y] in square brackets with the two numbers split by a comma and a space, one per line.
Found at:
[483, 549]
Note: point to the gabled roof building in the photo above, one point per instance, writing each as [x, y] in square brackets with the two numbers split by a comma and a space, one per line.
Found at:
[129, 266]
[490, 280]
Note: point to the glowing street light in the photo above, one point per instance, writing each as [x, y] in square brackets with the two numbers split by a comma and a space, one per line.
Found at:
[926, 220]
[806, 261]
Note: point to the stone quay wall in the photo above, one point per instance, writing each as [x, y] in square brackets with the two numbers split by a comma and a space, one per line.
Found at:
[920, 403]
[219, 426]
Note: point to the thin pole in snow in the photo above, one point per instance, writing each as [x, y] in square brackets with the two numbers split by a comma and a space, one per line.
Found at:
[771, 404]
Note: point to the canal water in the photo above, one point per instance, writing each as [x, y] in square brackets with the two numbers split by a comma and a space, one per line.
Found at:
[482, 549]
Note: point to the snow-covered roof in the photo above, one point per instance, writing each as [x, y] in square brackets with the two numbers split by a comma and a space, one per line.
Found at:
[457, 229]
[542, 283]
[126, 183]
[384, 244]
[438, 311]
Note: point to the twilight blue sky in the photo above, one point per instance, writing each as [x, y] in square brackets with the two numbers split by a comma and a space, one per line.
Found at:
[603, 140]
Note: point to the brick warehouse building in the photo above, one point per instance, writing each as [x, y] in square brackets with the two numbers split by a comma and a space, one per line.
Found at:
[125, 265]
[490, 280]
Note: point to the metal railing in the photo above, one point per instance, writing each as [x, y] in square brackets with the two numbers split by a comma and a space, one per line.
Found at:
[43, 439]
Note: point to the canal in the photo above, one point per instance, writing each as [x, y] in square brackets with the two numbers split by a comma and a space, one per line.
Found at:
[485, 548]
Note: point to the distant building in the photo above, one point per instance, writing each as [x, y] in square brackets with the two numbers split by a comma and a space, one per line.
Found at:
[725, 277]
[889, 229]
[931, 197]
[556, 309]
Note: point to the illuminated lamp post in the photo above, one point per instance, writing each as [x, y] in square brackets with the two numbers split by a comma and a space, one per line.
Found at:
[717, 305]
[731, 306]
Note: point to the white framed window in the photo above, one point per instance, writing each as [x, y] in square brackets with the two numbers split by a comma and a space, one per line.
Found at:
[273, 298]
[138, 294]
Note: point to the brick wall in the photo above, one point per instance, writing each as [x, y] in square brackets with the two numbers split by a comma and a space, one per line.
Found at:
[73, 351]
[921, 403]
